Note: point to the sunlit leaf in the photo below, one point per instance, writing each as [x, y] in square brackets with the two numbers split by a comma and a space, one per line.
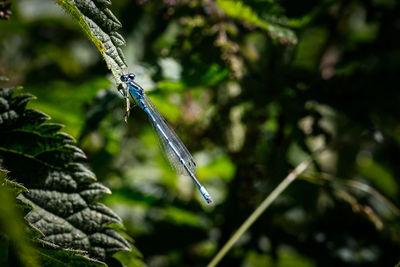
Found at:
[238, 10]
[379, 175]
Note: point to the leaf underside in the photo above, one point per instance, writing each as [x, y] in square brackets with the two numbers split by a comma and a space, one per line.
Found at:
[101, 26]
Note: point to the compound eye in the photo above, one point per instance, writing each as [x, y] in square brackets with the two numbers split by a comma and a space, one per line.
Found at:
[131, 76]
[124, 78]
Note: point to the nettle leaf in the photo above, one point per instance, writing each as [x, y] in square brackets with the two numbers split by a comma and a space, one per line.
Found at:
[56, 183]
[53, 255]
[238, 10]
[101, 26]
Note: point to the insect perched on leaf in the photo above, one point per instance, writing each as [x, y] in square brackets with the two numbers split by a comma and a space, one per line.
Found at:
[175, 151]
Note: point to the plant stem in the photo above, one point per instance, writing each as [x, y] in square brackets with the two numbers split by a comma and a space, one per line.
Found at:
[260, 209]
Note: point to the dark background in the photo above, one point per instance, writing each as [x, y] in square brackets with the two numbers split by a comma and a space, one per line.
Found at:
[249, 108]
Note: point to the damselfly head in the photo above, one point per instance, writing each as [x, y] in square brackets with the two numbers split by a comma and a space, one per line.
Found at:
[126, 77]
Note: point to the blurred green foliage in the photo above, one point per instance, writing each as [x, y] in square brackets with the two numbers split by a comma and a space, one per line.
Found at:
[252, 88]
[12, 226]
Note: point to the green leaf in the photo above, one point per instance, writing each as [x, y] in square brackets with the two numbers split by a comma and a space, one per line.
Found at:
[101, 26]
[58, 98]
[129, 259]
[238, 10]
[12, 224]
[51, 255]
[62, 190]
[379, 175]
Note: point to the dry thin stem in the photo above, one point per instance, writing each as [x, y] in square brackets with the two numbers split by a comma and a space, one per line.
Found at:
[260, 209]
